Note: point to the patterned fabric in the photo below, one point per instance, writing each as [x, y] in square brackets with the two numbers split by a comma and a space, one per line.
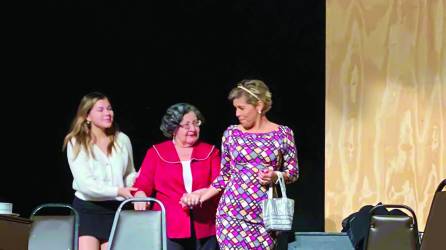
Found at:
[239, 215]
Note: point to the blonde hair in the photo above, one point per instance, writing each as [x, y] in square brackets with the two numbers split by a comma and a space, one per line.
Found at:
[80, 129]
[254, 91]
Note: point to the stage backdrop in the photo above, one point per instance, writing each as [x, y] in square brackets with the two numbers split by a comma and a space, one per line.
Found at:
[385, 105]
[146, 56]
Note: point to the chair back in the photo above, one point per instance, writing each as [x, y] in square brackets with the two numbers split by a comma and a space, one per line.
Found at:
[434, 235]
[54, 232]
[138, 229]
[392, 232]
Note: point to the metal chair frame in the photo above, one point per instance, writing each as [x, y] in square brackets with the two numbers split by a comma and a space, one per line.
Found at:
[146, 199]
[414, 218]
[439, 194]
[62, 205]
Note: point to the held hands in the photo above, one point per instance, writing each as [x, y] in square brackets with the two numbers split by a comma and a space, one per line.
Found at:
[267, 176]
[126, 192]
[190, 200]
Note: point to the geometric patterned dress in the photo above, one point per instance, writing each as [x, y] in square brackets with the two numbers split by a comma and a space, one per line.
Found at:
[239, 223]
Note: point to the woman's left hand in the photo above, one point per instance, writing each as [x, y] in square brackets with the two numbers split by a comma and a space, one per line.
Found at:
[267, 176]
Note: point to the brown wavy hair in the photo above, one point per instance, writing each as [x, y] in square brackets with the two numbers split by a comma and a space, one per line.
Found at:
[80, 129]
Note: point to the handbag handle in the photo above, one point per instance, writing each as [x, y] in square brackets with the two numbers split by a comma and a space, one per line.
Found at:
[282, 186]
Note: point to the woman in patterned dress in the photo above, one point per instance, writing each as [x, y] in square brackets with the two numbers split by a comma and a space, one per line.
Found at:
[252, 153]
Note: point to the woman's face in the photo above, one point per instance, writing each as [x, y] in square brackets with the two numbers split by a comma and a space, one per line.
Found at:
[188, 130]
[101, 115]
[245, 112]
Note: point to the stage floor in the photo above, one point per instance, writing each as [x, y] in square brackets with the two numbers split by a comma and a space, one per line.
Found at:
[320, 241]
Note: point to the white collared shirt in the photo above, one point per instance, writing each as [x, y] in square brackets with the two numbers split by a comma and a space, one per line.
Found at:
[98, 178]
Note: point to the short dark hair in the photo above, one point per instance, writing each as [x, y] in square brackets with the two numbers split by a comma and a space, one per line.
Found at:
[174, 115]
[258, 91]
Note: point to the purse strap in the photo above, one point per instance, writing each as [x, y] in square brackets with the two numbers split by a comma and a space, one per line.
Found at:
[282, 186]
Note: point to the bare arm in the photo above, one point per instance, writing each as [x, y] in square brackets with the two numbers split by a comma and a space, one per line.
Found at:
[208, 193]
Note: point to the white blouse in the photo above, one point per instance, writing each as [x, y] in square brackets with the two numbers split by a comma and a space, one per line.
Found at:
[187, 175]
[98, 178]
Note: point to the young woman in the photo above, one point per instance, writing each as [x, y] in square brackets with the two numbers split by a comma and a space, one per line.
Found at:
[101, 161]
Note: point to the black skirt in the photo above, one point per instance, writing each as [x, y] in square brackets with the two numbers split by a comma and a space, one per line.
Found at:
[96, 217]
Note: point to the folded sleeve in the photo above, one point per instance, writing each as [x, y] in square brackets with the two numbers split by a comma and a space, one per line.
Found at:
[129, 173]
[145, 179]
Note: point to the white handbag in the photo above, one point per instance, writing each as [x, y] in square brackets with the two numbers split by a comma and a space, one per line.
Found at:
[278, 212]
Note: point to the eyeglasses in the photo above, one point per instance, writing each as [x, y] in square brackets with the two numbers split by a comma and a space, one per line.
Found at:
[188, 125]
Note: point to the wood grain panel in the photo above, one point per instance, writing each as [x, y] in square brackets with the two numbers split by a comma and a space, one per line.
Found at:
[385, 105]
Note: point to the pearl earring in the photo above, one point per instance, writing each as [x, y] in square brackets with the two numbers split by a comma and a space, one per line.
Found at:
[258, 111]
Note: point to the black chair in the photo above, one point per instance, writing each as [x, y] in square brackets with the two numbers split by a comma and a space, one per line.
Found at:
[139, 229]
[54, 232]
[392, 231]
[434, 236]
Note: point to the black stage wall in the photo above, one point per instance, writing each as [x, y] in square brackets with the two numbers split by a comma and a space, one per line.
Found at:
[147, 57]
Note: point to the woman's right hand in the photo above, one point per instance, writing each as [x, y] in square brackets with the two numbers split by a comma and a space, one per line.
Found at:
[126, 192]
[140, 206]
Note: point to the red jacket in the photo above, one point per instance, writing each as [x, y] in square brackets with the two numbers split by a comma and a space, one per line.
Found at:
[161, 173]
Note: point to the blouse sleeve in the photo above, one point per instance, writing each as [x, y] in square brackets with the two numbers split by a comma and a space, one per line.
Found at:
[145, 179]
[215, 164]
[225, 167]
[84, 178]
[289, 153]
[130, 173]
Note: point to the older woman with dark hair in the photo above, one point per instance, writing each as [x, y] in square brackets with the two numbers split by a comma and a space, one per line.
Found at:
[183, 164]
